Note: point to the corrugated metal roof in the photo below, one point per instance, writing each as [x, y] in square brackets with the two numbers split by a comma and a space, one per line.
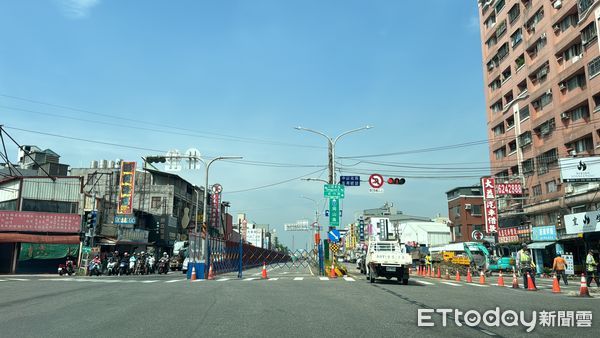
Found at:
[66, 189]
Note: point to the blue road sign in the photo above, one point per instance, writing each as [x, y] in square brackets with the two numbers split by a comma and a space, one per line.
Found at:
[350, 181]
[334, 235]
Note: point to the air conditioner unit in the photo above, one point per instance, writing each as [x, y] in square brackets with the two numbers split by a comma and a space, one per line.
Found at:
[562, 86]
[569, 188]
[543, 36]
[557, 4]
[468, 206]
[556, 28]
[549, 92]
[564, 116]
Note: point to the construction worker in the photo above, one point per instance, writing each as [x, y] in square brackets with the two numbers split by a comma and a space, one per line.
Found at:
[591, 267]
[526, 265]
[559, 266]
[428, 261]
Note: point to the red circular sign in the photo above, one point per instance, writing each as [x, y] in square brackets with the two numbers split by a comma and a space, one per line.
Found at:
[376, 181]
[477, 235]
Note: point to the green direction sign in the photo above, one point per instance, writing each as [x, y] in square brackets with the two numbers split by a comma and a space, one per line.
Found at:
[86, 249]
[334, 212]
[333, 191]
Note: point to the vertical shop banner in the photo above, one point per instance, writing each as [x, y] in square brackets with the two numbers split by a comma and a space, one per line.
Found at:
[126, 188]
[489, 188]
[490, 205]
[570, 268]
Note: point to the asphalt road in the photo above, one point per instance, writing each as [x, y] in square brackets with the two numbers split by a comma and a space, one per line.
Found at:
[291, 303]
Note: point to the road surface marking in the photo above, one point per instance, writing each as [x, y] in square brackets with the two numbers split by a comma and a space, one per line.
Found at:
[450, 283]
[223, 279]
[177, 280]
[481, 286]
[194, 281]
[285, 272]
[19, 279]
[253, 278]
[149, 281]
[348, 279]
[324, 278]
[58, 279]
[309, 269]
[424, 282]
[273, 279]
[2, 280]
[299, 278]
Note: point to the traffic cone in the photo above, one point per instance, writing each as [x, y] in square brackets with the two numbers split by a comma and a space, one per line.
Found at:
[530, 286]
[332, 273]
[583, 290]
[264, 271]
[439, 275]
[447, 274]
[193, 278]
[515, 281]
[555, 285]
[469, 278]
[481, 278]
[211, 272]
[457, 276]
[500, 279]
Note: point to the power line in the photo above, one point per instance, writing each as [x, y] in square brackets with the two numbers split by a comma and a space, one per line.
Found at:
[274, 184]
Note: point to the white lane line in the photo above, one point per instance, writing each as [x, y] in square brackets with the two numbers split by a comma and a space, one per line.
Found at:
[273, 279]
[481, 286]
[2, 280]
[57, 279]
[177, 280]
[223, 279]
[324, 278]
[19, 279]
[285, 272]
[253, 278]
[149, 281]
[424, 282]
[194, 281]
[348, 279]
[299, 278]
[450, 283]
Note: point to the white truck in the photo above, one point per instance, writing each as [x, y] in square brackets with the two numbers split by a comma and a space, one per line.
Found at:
[386, 256]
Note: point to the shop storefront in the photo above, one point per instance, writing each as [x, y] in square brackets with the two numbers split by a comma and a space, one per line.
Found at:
[582, 233]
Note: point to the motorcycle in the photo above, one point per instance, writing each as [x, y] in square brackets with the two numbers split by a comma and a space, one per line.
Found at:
[163, 266]
[95, 269]
[123, 268]
[67, 268]
[112, 268]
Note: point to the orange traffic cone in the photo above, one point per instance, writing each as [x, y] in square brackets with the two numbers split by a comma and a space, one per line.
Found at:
[332, 273]
[530, 286]
[555, 285]
[457, 276]
[264, 271]
[583, 290]
[193, 273]
[211, 272]
[500, 279]
[447, 274]
[469, 278]
[481, 278]
[515, 281]
[439, 275]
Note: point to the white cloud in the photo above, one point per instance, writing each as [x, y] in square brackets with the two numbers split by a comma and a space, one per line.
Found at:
[77, 9]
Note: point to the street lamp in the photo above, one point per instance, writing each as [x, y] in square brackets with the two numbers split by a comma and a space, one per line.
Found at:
[206, 258]
[331, 143]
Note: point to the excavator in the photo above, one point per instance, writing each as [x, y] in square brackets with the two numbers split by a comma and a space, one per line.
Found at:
[485, 261]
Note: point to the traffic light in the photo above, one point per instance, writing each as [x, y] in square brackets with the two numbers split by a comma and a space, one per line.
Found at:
[396, 180]
[558, 222]
[156, 159]
[90, 220]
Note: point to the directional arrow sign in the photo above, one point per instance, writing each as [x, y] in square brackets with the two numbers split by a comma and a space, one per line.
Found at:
[334, 212]
[334, 235]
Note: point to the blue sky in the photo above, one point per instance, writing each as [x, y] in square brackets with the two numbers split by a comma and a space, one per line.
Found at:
[235, 77]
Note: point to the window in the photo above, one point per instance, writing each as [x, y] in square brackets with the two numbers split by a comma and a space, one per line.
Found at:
[516, 38]
[594, 67]
[496, 107]
[551, 186]
[475, 209]
[542, 101]
[542, 73]
[537, 190]
[502, 52]
[596, 102]
[155, 203]
[496, 84]
[508, 98]
[537, 46]
[528, 166]
[577, 81]
[524, 113]
[583, 144]
[588, 33]
[506, 74]
[501, 29]
[525, 139]
[457, 232]
[533, 21]
[498, 130]
[520, 61]
[500, 153]
[547, 161]
[510, 122]
[571, 52]
[579, 113]
[514, 12]
[568, 22]
[512, 146]
[499, 6]
[490, 22]
[514, 170]
[491, 42]
[545, 128]
[584, 5]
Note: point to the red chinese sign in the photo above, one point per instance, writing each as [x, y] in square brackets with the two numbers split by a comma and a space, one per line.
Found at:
[490, 205]
[29, 221]
[508, 235]
[509, 188]
[127, 185]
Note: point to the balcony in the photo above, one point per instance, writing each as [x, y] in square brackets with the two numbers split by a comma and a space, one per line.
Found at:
[568, 7]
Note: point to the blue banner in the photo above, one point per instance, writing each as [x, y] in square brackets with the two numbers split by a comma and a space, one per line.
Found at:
[544, 233]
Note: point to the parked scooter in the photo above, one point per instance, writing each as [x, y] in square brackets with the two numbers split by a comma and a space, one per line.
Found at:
[112, 267]
[67, 268]
[124, 265]
[95, 269]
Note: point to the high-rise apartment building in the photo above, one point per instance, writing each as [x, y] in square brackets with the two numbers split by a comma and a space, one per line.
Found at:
[541, 66]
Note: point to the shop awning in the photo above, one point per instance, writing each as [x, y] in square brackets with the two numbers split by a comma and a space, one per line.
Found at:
[539, 245]
[40, 239]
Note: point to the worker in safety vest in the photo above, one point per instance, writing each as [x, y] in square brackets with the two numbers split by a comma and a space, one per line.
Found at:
[591, 267]
[428, 260]
[526, 265]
